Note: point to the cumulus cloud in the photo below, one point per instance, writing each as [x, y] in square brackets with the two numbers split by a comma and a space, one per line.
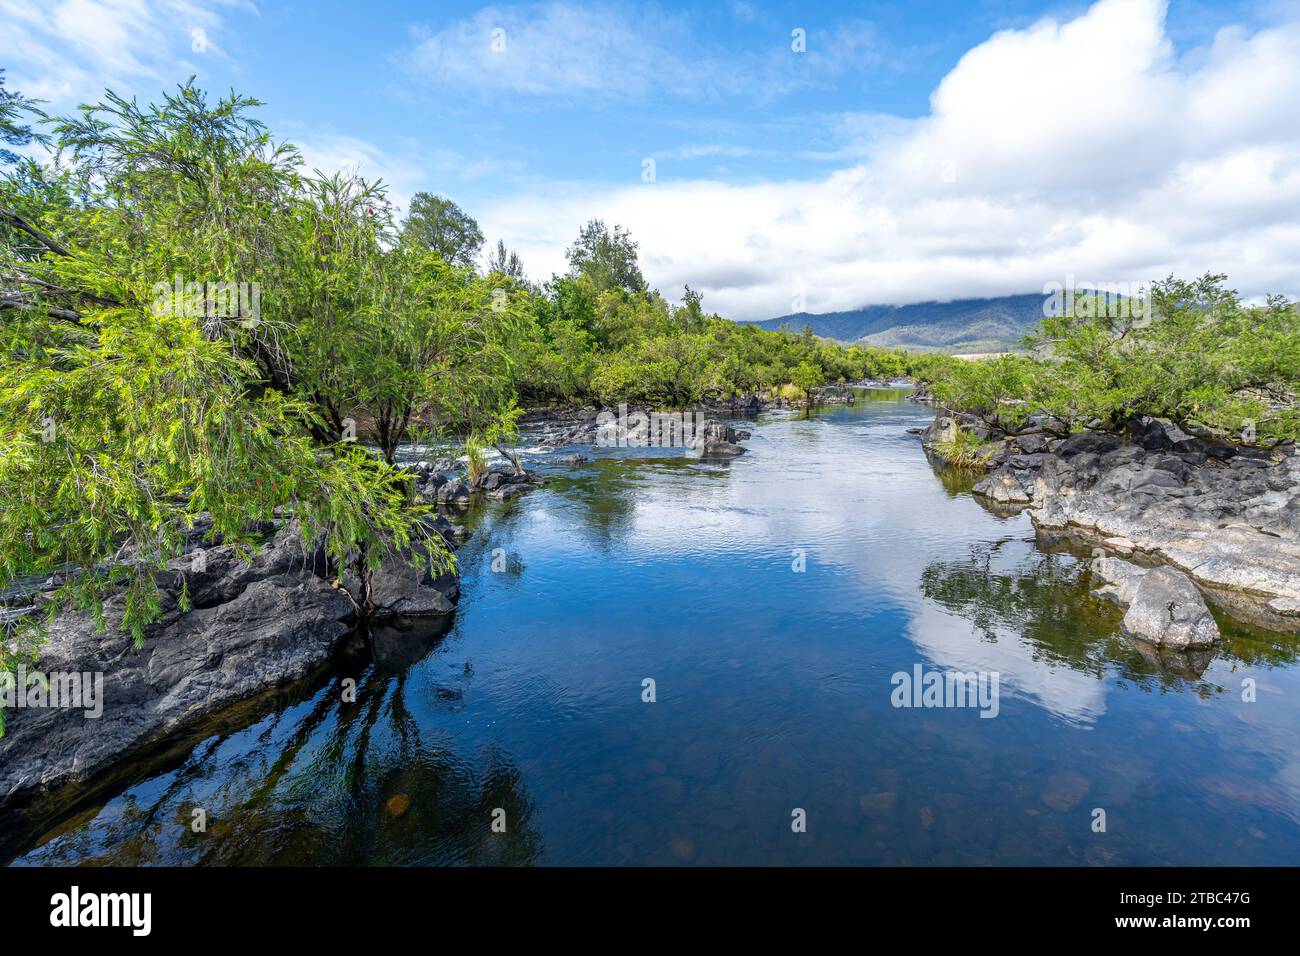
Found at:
[1085, 148]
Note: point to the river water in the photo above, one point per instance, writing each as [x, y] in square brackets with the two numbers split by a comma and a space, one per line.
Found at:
[771, 599]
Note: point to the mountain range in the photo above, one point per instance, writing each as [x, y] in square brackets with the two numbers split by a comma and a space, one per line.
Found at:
[963, 325]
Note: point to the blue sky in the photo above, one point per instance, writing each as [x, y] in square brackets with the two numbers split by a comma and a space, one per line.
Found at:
[779, 177]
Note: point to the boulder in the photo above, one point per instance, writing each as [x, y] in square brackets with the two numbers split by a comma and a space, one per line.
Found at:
[278, 628]
[1031, 443]
[943, 429]
[722, 449]
[1154, 434]
[403, 586]
[718, 432]
[399, 588]
[1118, 580]
[1096, 443]
[453, 492]
[1167, 610]
[1002, 487]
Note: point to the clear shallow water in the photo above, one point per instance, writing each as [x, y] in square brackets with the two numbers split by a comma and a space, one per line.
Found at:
[773, 693]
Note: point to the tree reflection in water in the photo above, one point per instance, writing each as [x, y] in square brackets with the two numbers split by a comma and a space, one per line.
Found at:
[316, 780]
[1008, 586]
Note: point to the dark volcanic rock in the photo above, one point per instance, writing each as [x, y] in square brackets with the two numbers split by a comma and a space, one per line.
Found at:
[404, 586]
[1096, 443]
[1227, 517]
[453, 492]
[722, 449]
[254, 624]
[720, 440]
[278, 628]
[1002, 487]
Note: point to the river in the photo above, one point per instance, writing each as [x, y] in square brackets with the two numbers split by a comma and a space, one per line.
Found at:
[771, 600]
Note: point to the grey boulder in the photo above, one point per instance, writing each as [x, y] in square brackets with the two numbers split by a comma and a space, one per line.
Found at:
[1003, 487]
[1167, 610]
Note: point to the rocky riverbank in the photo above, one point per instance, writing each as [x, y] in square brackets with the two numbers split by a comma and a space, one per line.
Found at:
[1226, 516]
[253, 624]
[442, 483]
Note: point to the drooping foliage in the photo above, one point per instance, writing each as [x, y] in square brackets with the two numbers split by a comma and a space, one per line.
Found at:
[193, 329]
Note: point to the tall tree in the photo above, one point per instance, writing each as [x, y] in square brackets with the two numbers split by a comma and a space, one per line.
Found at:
[439, 225]
[134, 401]
[607, 258]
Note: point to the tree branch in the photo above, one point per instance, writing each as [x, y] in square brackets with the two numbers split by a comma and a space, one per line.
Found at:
[17, 221]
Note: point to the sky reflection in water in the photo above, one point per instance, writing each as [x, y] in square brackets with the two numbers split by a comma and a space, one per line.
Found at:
[773, 693]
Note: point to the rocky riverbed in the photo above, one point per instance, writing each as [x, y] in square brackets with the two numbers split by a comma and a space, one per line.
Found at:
[1225, 516]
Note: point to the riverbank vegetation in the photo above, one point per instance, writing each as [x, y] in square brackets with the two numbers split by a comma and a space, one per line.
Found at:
[201, 333]
[598, 335]
[1194, 354]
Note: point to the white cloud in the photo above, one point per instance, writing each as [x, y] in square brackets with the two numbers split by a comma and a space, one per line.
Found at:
[69, 51]
[1081, 148]
[404, 171]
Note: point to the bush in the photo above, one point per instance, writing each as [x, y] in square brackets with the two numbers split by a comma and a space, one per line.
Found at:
[1198, 357]
[964, 451]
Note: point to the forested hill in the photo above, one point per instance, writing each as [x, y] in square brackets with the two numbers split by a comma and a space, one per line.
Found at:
[964, 325]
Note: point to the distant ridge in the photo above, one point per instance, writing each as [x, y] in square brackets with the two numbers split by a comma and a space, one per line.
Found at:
[964, 325]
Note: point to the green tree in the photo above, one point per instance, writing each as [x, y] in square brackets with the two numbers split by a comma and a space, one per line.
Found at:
[506, 262]
[135, 402]
[1196, 355]
[607, 258]
[438, 224]
[807, 377]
